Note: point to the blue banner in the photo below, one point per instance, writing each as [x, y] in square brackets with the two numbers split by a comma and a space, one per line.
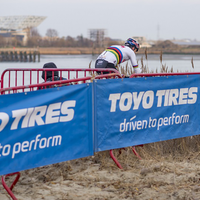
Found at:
[45, 127]
[136, 111]
[54, 125]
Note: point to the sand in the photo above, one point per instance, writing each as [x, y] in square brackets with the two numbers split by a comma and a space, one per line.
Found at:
[154, 177]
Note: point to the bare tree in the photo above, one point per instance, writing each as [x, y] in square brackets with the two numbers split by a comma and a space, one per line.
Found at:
[2, 41]
[52, 33]
[34, 38]
[34, 32]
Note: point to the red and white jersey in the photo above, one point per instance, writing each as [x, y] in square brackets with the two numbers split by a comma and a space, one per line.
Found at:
[117, 54]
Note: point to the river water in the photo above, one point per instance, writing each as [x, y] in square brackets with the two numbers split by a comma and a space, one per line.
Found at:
[180, 63]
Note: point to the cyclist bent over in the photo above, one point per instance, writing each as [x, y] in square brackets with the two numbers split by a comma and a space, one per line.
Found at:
[117, 54]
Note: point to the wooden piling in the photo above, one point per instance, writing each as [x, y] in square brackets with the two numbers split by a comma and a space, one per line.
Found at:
[34, 56]
[25, 57]
[16, 59]
[21, 56]
[30, 57]
[38, 56]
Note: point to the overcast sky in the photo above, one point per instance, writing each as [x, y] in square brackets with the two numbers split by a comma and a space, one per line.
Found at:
[153, 19]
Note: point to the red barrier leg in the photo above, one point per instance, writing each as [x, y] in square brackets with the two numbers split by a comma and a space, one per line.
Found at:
[115, 160]
[9, 189]
[135, 152]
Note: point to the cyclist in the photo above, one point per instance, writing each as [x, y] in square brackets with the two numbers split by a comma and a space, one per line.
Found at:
[117, 54]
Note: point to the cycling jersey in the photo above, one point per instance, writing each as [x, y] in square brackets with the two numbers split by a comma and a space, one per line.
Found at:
[117, 54]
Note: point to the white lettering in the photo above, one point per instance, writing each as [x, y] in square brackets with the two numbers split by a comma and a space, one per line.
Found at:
[137, 100]
[25, 145]
[183, 96]
[17, 114]
[160, 94]
[113, 98]
[126, 97]
[166, 101]
[66, 111]
[52, 115]
[16, 149]
[132, 125]
[169, 97]
[173, 95]
[38, 143]
[4, 118]
[26, 118]
[37, 115]
[42, 146]
[193, 96]
[29, 117]
[148, 95]
[6, 150]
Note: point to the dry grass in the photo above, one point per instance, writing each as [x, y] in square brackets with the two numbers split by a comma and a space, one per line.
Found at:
[182, 149]
[128, 70]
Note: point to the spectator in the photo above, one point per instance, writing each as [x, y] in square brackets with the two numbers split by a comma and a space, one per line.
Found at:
[47, 75]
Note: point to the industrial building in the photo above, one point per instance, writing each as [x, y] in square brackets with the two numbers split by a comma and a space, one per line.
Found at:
[19, 26]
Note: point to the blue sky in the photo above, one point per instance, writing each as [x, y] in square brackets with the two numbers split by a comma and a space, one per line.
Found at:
[153, 19]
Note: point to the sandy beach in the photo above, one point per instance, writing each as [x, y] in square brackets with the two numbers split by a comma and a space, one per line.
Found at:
[171, 176]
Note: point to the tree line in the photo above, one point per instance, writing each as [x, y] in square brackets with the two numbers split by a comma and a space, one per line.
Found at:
[52, 39]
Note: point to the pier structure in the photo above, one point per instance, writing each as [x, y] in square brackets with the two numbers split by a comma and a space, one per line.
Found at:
[20, 56]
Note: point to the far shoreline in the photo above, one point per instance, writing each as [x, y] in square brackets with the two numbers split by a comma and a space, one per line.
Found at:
[95, 51]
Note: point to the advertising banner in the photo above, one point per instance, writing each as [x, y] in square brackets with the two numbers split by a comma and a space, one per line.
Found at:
[143, 110]
[44, 127]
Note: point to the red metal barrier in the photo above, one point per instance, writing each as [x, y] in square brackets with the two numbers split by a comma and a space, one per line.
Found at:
[21, 77]
[163, 74]
[9, 189]
[30, 87]
[34, 85]
[77, 79]
[57, 83]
